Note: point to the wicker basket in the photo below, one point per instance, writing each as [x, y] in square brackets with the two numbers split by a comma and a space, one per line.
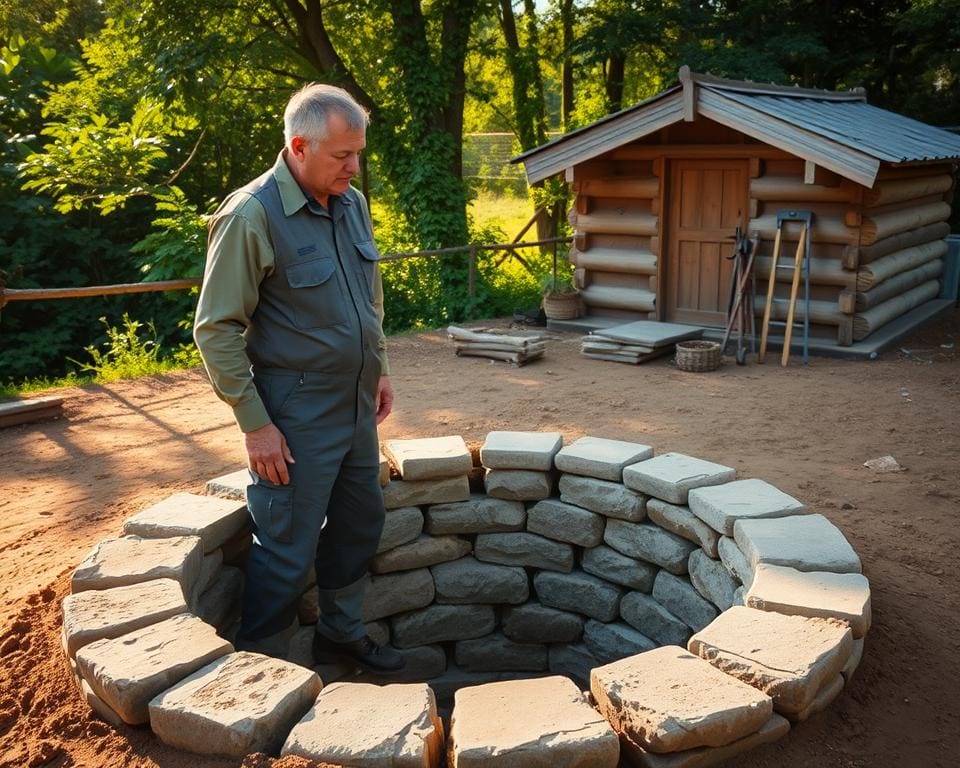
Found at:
[561, 306]
[698, 355]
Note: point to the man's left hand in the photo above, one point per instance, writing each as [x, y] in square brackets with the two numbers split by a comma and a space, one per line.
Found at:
[384, 398]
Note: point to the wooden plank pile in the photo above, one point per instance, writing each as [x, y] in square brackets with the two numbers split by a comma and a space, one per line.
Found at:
[516, 349]
[26, 411]
[635, 342]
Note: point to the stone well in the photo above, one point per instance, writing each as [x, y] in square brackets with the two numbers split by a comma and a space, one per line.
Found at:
[586, 605]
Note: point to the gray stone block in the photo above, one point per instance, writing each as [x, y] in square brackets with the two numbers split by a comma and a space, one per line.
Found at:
[429, 458]
[712, 580]
[681, 521]
[573, 660]
[525, 549]
[679, 597]
[600, 457]
[721, 506]
[804, 542]
[442, 623]
[215, 520]
[415, 493]
[610, 642]
[400, 526]
[480, 514]
[495, 653]
[424, 551]
[671, 476]
[518, 484]
[645, 541]
[424, 662]
[579, 592]
[393, 593]
[538, 623]
[467, 580]
[604, 497]
[133, 560]
[229, 486]
[565, 522]
[520, 450]
[219, 605]
[734, 560]
[610, 565]
[648, 617]
[209, 570]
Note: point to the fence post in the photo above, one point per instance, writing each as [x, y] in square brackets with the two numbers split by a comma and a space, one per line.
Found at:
[472, 274]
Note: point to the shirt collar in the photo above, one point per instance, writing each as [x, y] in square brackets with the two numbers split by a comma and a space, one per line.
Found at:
[293, 198]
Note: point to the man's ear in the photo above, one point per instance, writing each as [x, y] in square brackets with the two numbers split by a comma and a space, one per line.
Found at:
[298, 146]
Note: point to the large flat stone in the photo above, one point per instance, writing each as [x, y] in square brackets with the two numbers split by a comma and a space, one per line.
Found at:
[645, 541]
[429, 458]
[529, 724]
[496, 653]
[424, 551]
[215, 520]
[518, 484]
[804, 542]
[109, 613]
[537, 623]
[240, 703]
[579, 592]
[668, 700]
[442, 623]
[133, 560]
[678, 596]
[469, 581]
[649, 333]
[650, 618]
[844, 596]
[671, 476]
[400, 526]
[789, 658]
[128, 671]
[394, 593]
[614, 641]
[479, 514]
[720, 506]
[734, 560]
[823, 699]
[610, 565]
[681, 521]
[600, 457]
[520, 450]
[565, 522]
[853, 660]
[230, 486]
[712, 580]
[414, 493]
[604, 497]
[527, 549]
[370, 726]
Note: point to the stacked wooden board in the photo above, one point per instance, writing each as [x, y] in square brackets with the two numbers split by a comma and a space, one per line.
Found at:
[517, 349]
[636, 342]
[26, 411]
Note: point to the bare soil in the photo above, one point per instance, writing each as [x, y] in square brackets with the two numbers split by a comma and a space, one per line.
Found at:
[69, 483]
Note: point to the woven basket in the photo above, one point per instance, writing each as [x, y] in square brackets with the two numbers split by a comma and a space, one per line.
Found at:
[561, 306]
[698, 355]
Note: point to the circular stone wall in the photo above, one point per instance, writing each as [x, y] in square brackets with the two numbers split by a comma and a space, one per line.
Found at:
[596, 561]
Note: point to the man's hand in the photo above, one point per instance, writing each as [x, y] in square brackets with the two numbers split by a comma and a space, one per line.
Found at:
[384, 398]
[268, 454]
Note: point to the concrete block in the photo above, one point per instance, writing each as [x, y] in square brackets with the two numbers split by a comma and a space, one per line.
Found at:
[804, 542]
[573, 660]
[230, 486]
[467, 580]
[215, 520]
[495, 653]
[678, 596]
[394, 593]
[681, 521]
[219, 604]
[720, 506]
[578, 592]
[712, 580]
[565, 522]
[614, 641]
[537, 623]
[429, 458]
[442, 623]
[400, 526]
[134, 560]
[415, 493]
[479, 514]
[610, 565]
[520, 450]
[650, 618]
[734, 560]
[603, 497]
[98, 705]
[600, 457]
[527, 549]
[424, 551]
[671, 476]
[645, 541]
[518, 484]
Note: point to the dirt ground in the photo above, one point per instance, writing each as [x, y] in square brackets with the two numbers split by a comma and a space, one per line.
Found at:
[67, 484]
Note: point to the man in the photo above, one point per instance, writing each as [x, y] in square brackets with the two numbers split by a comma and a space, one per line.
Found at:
[289, 327]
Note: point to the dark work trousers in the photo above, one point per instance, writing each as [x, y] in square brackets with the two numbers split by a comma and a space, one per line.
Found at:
[329, 517]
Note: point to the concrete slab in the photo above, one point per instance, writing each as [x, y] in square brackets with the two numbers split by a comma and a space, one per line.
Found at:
[215, 520]
[720, 506]
[429, 458]
[600, 457]
[804, 542]
[520, 450]
[671, 476]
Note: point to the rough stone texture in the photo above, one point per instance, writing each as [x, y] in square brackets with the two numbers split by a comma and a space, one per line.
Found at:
[209, 571]
[824, 699]
[712, 580]
[495, 653]
[844, 596]
[520, 450]
[610, 642]
[213, 519]
[424, 551]
[668, 700]
[370, 726]
[789, 658]
[400, 526]
[109, 613]
[429, 458]
[127, 671]
[648, 617]
[600, 457]
[704, 757]
[415, 493]
[579, 592]
[441, 623]
[301, 652]
[545, 723]
[536, 623]
[853, 661]
[603, 497]
[721, 506]
[469, 581]
[98, 705]
[424, 662]
[734, 560]
[480, 514]
[645, 541]
[610, 565]
[134, 560]
[524, 549]
[565, 522]
[804, 542]
[573, 660]
[219, 604]
[229, 486]
[240, 703]
[394, 593]
[682, 522]
[518, 484]
[680, 598]
[671, 476]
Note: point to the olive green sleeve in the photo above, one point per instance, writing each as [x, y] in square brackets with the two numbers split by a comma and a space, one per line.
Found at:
[377, 296]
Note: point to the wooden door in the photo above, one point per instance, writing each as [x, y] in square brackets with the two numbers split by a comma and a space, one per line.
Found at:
[708, 198]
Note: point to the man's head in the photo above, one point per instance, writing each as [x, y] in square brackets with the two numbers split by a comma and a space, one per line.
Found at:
[324, 131]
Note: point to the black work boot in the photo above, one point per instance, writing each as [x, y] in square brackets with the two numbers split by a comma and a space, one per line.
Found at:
[363, 652]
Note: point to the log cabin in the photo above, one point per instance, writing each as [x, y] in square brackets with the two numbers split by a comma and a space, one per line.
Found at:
[660, 188]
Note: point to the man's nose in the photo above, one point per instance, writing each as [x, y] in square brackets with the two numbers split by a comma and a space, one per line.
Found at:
[353, 164]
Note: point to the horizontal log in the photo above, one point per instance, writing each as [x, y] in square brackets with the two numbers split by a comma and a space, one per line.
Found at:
[824, 229]
[822, 312]
[822, 271]
[617, 223]
[493, 347]
[519, 342]
[792, 189]
[898, 284]
[635, 299]
[639, 262]
[912, 171]
[901, 261]
[865, 323]
[883, 225]
[903, 240]
[897, 190]
[643, 188]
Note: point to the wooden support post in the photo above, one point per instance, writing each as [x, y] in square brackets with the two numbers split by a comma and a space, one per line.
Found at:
[472, 272]
[851, 257]
[845, 332]
[756, 167]
[809, 172]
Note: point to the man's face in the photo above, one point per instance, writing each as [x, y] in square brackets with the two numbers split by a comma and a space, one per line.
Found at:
[326, 167]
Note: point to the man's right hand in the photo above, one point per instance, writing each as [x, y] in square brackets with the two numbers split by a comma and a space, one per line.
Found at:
[268, 454]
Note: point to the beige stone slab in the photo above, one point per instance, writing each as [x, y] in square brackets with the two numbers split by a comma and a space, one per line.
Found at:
[215, 520]
[856, 655]
[844, 596]
[230, 486]
[600, 457]
[804, 542]
[720, 506]
[429, 458]
[107, 613]
[520, 450]
[668, 700]
[542, 723]
[133, 560]
[99, 707]
[790, 658]
[371, 726]
[824, 699]
[413, 493]
[671, 476]
[127, 671]
[240, 703]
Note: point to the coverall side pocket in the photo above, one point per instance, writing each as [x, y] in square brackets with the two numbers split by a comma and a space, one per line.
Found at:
[271, 508]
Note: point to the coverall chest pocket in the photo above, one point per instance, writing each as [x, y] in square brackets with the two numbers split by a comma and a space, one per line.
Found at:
[366, 266]
[315, 295]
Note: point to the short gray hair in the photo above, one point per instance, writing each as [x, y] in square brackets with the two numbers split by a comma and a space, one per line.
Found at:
[309, 109]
